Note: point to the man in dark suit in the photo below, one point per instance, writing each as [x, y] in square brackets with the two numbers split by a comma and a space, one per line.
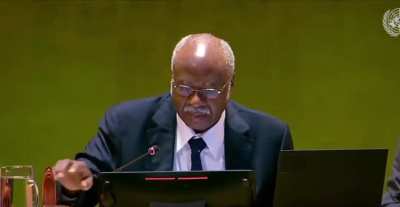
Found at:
[392, 197]
[196, 127]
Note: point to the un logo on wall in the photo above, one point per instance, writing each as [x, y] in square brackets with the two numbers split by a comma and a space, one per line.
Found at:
[391, 22]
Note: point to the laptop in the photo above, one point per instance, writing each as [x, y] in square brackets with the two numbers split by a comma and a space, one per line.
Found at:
[178, 189]
[330, 178]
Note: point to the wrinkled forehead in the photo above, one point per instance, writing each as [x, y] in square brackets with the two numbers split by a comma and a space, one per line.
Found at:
[201, 77]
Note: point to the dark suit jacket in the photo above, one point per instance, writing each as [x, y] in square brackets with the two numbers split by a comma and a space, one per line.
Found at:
[252, 141]
[392, 197]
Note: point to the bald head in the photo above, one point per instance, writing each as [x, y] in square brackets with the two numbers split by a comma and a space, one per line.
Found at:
[202, 77]
[203, 51]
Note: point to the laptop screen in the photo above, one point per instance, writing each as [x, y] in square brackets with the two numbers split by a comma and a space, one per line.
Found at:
[330, 178]
[173, 189]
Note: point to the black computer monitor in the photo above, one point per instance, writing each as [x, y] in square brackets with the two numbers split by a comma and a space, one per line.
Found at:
[330, 178]
[177, 189]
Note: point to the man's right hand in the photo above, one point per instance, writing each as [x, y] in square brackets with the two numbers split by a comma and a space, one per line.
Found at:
[73, 175]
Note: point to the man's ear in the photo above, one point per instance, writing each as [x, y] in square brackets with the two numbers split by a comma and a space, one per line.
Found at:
[233, 80]
[170, 87]
[231, 84]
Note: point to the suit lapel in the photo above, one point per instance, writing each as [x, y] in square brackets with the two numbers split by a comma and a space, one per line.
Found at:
[238, 144]
[162, 133]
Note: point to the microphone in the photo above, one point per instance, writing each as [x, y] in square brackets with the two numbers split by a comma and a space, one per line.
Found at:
[151, 151]
[107, 197]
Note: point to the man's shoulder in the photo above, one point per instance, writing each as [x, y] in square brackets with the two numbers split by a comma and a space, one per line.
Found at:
[257, 118]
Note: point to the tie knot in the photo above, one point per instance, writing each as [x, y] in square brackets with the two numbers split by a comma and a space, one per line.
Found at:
[197, 144]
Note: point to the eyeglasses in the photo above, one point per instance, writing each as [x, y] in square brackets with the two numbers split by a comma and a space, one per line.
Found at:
[209, 93]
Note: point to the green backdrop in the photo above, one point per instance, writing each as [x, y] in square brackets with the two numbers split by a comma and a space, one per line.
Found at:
[327, 67]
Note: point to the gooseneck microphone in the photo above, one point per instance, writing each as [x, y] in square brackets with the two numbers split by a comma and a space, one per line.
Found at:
[107, 198]
[151, 151]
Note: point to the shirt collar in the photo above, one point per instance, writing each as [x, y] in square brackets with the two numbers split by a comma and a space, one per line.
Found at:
[213, 137]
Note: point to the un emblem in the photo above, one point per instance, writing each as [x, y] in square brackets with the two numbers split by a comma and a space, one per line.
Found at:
[391, 22]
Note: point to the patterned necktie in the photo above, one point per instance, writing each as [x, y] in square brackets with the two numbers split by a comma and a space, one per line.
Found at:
[197, 144]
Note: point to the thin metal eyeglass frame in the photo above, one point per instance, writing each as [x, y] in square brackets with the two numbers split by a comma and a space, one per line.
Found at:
[202, 92]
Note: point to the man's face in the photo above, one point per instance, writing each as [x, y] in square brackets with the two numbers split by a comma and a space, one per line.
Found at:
[198, 111]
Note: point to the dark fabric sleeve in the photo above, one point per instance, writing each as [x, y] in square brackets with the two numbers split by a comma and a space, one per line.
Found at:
[392, 197]
[287, 142]
[99, 155]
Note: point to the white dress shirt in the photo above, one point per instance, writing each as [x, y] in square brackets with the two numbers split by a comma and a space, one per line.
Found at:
[212, 157]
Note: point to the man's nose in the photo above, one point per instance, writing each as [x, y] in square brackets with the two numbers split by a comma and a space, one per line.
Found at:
[195, 99]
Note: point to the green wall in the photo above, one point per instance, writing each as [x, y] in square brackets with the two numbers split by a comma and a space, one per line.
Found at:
[326, 67]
